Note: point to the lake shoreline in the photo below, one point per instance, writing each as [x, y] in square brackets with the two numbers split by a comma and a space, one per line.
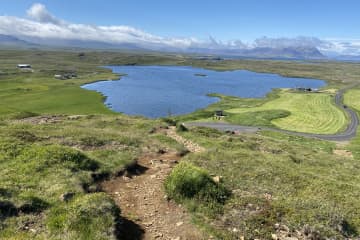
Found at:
[186, 92]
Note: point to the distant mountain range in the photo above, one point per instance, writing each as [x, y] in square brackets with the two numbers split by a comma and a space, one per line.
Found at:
[7, 42]
[288, 52]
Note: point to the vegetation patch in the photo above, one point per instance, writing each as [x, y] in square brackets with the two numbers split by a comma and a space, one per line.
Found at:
[91, 216]
[311, 113]
[352, 98]
[188, 183]
[279, 180]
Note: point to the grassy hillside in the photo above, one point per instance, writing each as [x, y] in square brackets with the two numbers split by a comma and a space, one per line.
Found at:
[352, 98]
[279, 180]
[50, 166]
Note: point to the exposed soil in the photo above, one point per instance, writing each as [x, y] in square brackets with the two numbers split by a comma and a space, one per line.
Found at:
[147, 212]
[343, 153]
[43, 119]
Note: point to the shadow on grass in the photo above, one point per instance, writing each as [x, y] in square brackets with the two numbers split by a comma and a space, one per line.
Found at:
[129, 230]
[7, 209]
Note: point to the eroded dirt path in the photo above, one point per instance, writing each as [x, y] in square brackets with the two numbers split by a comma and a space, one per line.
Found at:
[147, 212]
[191, 146]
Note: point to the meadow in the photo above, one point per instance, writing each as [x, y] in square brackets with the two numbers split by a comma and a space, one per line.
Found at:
[307, 112]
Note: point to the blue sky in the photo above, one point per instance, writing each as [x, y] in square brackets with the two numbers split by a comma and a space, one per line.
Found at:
[245, 20]
[226, 19]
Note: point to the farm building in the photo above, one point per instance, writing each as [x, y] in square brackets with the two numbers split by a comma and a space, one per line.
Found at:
[24, 66]
[219, 114]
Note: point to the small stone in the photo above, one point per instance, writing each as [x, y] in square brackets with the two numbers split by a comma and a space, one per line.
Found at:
[178, 224]
[158, 235]
[148, 224]
[274, 236]
[284, 228]
[217, 179]
[67, 196]
[235, 230]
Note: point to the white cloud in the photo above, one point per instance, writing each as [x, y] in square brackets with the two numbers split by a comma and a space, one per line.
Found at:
[39, 13]
[41, 24]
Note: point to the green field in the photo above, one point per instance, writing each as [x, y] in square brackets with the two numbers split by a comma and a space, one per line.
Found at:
[352, 98]
[311, 113]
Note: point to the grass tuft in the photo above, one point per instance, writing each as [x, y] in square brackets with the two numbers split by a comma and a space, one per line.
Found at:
[188, 182]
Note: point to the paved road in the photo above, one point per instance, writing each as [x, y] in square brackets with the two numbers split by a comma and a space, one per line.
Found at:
[346, 135]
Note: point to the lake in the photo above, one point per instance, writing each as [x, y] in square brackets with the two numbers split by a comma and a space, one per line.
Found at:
[160, 91]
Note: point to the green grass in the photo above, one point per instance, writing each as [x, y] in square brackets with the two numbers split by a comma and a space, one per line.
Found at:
[312, 113]
[352, 98]
[39, 163]
[193, 186]
[307, 184]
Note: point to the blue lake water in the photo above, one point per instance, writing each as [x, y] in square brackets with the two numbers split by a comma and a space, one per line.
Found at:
[157, 91]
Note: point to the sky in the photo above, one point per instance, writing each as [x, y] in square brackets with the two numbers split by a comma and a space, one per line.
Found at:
[225, 23]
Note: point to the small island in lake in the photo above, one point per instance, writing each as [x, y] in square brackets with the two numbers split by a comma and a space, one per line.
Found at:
[200, 75]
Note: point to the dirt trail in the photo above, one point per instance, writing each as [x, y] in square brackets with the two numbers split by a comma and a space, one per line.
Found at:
[191, 146]
[147, 212]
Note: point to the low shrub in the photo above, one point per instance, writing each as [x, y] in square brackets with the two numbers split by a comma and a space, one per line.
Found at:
[181, 128]
[188, 182]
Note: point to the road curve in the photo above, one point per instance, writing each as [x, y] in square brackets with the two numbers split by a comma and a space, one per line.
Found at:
[346, 135]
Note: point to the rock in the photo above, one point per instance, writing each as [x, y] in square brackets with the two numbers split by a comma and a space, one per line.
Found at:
[274, 237]
[67, 196]
[148, 224]
[268, 196]
[178, 224]
[177, 238]
[217, 179]
[235, 230]
[284, 228]
[158, 235]
[126, 178]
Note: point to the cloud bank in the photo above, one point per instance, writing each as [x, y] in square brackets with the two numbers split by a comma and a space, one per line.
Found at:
[43, 25]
